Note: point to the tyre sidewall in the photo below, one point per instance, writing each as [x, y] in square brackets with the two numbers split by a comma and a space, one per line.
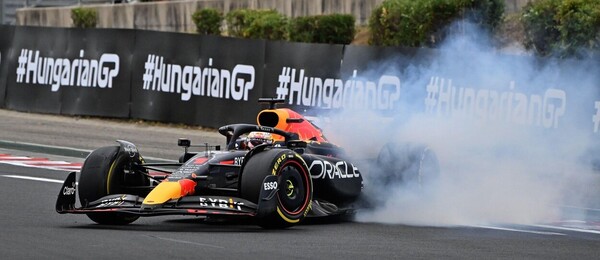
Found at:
[94, 177]
[99, 177]
[282, 163]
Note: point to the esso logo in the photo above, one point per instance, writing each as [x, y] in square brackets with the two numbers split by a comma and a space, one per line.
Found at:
[270, 185]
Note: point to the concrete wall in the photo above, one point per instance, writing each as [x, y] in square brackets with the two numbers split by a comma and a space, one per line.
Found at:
[176, 15]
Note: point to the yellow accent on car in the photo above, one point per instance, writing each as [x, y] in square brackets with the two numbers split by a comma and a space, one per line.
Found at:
[164, 192]
[289, 188]
[111, 170]
[286, 218]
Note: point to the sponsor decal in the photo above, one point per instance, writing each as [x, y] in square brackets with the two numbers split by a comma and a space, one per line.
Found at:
[191, 81]
[270, 185]
[238, 160]
[264, 128]
[57, 72]
[320, 169]
[112, 202]
[278, 163]
[188, 168]
[221, 203]
[308, 208]
[330, 93]
[545, 110]
[130, 149]
[69, 190]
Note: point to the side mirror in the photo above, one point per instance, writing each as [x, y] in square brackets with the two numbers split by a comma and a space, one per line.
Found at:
[183, 142]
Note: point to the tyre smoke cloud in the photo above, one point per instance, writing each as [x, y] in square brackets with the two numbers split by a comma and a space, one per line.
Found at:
[513, 135]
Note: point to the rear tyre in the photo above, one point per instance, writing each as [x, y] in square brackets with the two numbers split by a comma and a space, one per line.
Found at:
[408, 164]
[104, 173]
[294, 193]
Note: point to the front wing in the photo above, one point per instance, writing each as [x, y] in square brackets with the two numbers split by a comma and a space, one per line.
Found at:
[189, 205]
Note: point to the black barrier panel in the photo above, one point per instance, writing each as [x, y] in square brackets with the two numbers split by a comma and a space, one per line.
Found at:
[103, 86]
[303, 74]
[570, 90]
[544, 96]
[6, 37]
[194, 79]
[28, 82]
[150, 70]
[70, 71]
[243, 60]
[374, 78]
[377, 60]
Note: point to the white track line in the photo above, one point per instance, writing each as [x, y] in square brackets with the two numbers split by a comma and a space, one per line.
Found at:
[32, 178]
[76, 149]
[55, 168]
[569, 229]
[522, 231]
[185, 242]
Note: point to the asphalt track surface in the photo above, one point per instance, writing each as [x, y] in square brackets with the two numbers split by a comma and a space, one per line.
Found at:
[31, 229]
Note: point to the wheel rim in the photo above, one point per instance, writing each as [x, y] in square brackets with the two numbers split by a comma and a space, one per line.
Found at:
[293, 196]
[290, 188]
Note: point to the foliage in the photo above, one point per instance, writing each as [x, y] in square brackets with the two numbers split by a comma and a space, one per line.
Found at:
[540, 25]
[579, 26]
[269, 26]
[208, 21]
[301, 29]
[562, 27]
[84, 17]
[256, 24]
[488, 13]
[333, 29]
[422, 23]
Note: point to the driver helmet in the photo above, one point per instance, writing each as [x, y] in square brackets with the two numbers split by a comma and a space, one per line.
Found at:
[257, 138]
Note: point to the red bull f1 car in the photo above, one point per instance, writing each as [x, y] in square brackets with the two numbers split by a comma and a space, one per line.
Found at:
[276, 172]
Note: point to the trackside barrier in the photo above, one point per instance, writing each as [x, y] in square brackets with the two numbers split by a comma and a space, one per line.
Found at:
[213, 81]
[6, 35]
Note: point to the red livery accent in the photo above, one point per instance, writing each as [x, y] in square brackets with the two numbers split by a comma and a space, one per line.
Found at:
[228, 162]
[187, 187]
[279, 117]
[200, 160]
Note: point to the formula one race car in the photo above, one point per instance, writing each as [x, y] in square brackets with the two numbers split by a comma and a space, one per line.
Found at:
[277, 173]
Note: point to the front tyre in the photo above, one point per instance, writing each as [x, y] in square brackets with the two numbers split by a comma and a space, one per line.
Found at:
[294, 186]
[105, 172]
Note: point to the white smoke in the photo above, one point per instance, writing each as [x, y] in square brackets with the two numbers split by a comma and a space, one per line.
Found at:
[494, 168]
